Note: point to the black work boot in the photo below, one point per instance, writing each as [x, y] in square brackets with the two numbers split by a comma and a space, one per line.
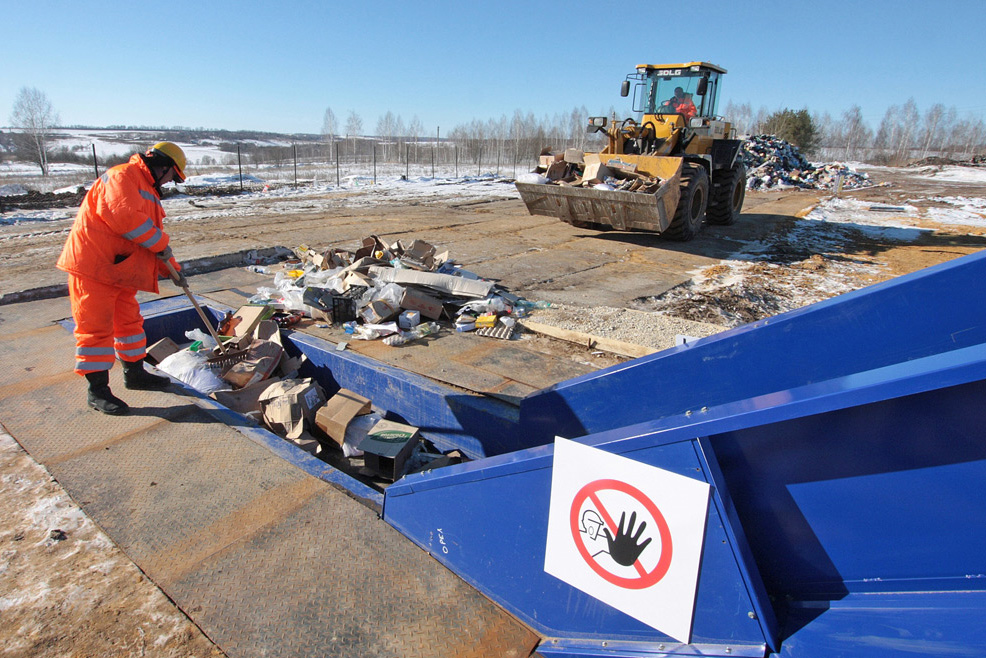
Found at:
[101, 398]
[136, 378]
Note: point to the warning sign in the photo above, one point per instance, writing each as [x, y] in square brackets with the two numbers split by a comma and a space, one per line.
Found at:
[628, 534]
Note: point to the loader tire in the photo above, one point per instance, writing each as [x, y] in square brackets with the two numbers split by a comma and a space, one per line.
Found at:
[728, 193]
[690, 214]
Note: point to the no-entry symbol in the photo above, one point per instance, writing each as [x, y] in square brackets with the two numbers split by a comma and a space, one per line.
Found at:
[625, 542]
[627, 533]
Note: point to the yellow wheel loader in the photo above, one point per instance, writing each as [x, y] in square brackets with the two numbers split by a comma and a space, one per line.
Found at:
[668, 171]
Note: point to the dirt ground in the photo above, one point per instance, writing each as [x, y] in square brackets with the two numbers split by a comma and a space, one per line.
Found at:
[66, 590]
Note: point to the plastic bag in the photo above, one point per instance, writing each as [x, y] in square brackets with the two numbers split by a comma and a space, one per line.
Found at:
[390, 293]
[532, 177]
[208, 342]
[191, 368]
[356, 431]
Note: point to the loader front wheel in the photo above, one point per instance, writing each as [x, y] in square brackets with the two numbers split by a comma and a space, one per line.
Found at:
[690, 213]
[728, 193]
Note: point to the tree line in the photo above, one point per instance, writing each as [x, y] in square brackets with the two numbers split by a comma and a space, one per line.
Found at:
[905, 134]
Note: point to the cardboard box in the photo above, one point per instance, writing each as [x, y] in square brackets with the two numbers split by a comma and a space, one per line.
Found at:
[263, 357]
[419, 255]
[335, 415]
[409, 319]
[445, 283]
[289, 404]
[246, 318]
[161, 350]
[387, 448]
[595, 172]
[378, 311]
[556, 171]
[574, 156]
[245, 400]
[422, 302]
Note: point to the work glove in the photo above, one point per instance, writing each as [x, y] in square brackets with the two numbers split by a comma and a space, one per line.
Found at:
[167, 257]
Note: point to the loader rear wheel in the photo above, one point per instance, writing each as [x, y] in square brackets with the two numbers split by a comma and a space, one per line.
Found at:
[690, 214]
[728, 193]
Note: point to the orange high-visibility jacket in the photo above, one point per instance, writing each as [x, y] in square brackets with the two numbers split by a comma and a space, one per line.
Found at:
[119, 230]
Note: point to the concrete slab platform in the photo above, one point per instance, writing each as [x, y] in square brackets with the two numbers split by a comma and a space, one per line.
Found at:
[263, 555]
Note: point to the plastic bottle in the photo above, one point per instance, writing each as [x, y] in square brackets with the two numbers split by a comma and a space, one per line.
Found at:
[395, 339]
[349, 327]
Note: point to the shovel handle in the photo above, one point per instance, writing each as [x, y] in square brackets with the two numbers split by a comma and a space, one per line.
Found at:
[191, 298]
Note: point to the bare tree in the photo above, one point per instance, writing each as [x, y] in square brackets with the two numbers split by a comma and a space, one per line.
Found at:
[35, 117]
[354, 126]
[330, 127]
[386, 129]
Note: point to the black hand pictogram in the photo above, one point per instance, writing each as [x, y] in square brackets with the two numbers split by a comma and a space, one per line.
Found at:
[624, 547]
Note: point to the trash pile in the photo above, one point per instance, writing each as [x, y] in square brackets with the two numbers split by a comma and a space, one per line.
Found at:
[773, 162]
[398, 292]
[574, 169]
[251, 373]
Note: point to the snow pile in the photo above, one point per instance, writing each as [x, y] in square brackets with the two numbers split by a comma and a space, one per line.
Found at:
[773, 162]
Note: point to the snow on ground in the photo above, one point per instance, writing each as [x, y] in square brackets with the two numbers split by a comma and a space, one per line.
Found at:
[954, 174]
[815, 259]
[963, 211]
[357, 190]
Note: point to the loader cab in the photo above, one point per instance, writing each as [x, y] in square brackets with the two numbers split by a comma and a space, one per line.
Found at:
[655, 85]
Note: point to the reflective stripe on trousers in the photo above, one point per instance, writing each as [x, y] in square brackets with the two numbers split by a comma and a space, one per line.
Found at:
[107, 324]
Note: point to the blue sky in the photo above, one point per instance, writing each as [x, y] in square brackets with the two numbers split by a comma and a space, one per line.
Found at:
[277, 66]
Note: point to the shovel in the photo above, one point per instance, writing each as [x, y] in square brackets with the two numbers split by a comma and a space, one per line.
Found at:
[191, 298]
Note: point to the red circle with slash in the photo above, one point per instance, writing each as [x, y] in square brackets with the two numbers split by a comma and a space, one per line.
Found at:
[646, 578]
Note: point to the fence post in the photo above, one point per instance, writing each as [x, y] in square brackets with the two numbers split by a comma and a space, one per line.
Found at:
[438, 140]
[95, 164]
[295, 148]
[407, 161]
[456, 160]
[479, 162]
[497, 159]
[239, 163]
[374, 163]
[338, 181]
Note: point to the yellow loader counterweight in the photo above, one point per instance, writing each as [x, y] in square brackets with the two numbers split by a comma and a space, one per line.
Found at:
[682, 156]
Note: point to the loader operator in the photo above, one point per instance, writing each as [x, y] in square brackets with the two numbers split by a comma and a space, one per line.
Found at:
[681, 103]
[116, 247]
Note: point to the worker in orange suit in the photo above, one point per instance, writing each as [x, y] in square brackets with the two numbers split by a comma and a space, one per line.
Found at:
[118, 246]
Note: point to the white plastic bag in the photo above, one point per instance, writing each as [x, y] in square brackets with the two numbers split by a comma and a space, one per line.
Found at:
[208, 342]
[356, 431]
[191, 368]
[532, 177]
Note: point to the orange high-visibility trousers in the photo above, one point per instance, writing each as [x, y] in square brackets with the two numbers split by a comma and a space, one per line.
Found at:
[108, 324]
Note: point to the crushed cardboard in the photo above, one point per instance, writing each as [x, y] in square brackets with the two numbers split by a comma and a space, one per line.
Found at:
[290, 404]
[335, 415]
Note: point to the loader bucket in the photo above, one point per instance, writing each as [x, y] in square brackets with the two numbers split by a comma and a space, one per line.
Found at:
[595, 208]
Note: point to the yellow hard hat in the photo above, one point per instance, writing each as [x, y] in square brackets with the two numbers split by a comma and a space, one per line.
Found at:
[177, 156]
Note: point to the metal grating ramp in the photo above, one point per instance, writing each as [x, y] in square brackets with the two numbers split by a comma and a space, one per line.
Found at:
[265, 558]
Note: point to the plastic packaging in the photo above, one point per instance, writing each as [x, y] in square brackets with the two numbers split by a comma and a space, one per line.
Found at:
[532, 177]
[208, 342]
[371, 331]
[192, 369]
[395, 340]
[356, 431]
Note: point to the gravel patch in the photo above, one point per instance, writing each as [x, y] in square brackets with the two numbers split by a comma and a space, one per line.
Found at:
[627, 325]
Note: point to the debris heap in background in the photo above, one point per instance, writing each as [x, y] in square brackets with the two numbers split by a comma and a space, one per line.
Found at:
[773, 162]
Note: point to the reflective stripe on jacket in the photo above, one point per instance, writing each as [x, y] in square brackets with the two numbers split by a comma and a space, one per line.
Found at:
[118, 230]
